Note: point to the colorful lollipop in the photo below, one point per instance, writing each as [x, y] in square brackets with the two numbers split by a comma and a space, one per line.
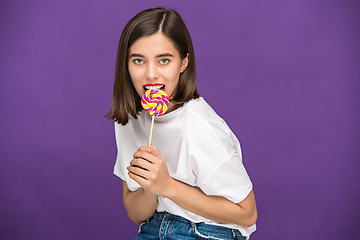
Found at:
[156, 102]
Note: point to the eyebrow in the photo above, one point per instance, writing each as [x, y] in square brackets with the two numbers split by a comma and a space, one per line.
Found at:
[157, 56]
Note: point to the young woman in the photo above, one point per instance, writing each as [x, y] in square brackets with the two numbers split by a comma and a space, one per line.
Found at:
[191, 183]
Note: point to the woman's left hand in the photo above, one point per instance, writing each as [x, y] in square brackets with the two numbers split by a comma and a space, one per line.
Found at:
[148, 168]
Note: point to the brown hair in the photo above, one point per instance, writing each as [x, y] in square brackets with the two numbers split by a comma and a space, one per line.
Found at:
[126, 100]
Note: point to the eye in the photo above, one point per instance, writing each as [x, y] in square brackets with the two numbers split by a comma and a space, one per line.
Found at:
[138, 61]
[164, 61]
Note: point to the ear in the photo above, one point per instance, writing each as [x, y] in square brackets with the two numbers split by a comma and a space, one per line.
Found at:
[184, 63]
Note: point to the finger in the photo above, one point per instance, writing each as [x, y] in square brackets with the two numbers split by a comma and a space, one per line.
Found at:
[147, 149]
[157, 152]
[145, 155]
[142, 163]
[140, 180]
[138, 171]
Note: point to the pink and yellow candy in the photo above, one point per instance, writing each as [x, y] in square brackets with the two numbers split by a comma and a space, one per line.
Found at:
[154, 101]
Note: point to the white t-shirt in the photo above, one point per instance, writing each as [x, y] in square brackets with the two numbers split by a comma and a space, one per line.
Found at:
[199, 149]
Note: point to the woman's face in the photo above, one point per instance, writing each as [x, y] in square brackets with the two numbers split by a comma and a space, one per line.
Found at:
[155, 63]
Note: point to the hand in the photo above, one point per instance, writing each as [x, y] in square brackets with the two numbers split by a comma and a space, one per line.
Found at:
[149, 170]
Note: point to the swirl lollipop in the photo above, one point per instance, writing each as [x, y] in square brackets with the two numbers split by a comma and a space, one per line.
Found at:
[156, 102]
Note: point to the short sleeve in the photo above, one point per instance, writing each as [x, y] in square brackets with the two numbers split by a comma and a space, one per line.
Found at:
[118, 169]
[125, 149]
[217, 163]
[229, 180]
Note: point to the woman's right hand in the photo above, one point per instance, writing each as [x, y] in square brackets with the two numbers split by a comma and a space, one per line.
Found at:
[149, 170]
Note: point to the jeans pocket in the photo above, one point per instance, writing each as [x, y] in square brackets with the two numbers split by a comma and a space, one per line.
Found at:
[212, 232]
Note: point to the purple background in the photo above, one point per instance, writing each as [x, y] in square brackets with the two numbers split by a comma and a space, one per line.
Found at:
[283, 74]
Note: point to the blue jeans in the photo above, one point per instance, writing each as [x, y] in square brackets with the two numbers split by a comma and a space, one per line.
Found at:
[163, 225]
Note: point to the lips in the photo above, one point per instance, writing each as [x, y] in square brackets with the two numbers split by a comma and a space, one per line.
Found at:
[155, 86]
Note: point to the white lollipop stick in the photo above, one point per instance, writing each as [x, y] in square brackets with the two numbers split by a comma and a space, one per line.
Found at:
[151, 129]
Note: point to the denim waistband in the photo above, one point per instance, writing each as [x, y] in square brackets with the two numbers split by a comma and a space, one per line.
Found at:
[161, 215]
[168, 217]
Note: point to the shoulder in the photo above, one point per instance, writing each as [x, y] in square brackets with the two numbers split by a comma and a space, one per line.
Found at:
[200, 110]
[204, 117]
[132, 121]
[133, 126]
[203, 124]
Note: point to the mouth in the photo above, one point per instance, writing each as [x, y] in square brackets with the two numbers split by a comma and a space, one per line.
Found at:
[154, 87]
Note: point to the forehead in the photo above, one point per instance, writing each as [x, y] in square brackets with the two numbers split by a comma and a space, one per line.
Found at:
[153, 45]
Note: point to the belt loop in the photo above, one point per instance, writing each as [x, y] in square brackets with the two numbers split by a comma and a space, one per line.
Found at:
[237, 233]
[234, 233]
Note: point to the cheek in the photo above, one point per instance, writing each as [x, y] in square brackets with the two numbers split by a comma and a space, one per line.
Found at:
[173, 73]
[172, 80]
[135, 77]
[132, 73]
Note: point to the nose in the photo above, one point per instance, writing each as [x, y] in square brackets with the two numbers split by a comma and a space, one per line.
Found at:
[152, 72]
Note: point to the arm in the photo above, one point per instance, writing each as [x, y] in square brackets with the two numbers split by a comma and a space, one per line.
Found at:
[148, 168]
[216, 208]
[140, 205]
